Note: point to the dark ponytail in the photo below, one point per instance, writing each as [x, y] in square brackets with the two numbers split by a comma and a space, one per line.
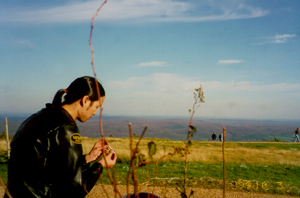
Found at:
[77, 89]
[58, 97]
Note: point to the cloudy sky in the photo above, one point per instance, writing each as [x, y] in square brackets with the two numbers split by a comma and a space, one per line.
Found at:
[151, 54]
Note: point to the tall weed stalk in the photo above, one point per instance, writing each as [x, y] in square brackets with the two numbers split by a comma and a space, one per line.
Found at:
[198, 98]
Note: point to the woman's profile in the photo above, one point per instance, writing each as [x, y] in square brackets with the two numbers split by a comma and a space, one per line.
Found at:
[46, 157]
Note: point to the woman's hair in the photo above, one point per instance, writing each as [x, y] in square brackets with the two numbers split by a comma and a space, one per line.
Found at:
[77, 89]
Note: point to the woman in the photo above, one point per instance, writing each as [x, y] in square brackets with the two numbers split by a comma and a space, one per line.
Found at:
[46, 152]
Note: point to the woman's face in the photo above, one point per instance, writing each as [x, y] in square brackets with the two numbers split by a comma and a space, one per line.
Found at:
[89, 109]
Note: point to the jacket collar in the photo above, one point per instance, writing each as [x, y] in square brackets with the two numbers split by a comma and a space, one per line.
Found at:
[60, 109]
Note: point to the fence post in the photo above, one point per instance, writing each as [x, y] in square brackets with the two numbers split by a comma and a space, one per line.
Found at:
[7, 138]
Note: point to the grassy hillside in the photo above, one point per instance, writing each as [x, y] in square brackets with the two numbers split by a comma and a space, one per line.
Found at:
[254, 167]
[266, 167]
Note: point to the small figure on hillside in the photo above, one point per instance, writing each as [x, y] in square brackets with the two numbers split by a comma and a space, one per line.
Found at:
[214, 137]
[221, 137]
[209, 140]
[296, 133]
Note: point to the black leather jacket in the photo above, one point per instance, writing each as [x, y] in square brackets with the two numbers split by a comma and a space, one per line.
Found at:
[46, 158]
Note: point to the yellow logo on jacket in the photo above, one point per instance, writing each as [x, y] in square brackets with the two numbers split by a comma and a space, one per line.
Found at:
[76, 138]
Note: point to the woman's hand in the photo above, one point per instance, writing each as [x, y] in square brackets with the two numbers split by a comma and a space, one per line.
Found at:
[96, 151]
[109, 160]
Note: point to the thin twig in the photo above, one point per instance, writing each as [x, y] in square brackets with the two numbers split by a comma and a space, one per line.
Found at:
[148, 178]
[135, 182]
[143, 133]
[133, 153]
[99, 96]
[155, 176]
[188, 137]
[131, 157]
[91, 34]
[224, 163]
[104, 154]
[115, 180]
[198, 99]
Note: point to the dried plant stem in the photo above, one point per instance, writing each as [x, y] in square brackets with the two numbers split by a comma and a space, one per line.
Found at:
[115, 186]
[113, 180]
[99, 96]
[198, 99]
[155, 176]
[185, 173]
[148, 178]
[91, 35]
[137, 144]
[192, 116]
[133, 152]
[131, 161]
[224, 163]
[93, 66]
[103, 143]
[94, 71]
[188, 138]
[128, 175]
[135, 182]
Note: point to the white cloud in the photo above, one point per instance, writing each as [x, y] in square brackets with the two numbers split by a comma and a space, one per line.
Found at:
[230, 61]
[282, 38]
[248, 86]
[174, 83]
[152, 64]
[134, 11]
[172, 95]
[155, 94]
[278, 38]
[157, 82]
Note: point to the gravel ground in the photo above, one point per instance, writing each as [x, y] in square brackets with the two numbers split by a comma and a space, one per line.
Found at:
[98, 192]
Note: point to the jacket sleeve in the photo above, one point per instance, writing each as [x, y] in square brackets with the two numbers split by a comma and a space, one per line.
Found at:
[75, 178]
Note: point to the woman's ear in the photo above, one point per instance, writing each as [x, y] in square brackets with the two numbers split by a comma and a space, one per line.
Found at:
[85, 101]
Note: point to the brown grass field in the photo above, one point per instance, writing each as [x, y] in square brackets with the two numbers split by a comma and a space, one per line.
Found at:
[204, 152]
[208, 152]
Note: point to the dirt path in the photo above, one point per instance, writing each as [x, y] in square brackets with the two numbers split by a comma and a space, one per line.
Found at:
[98, 192]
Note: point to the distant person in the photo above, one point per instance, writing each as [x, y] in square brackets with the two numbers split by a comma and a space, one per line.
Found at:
[46, 153]
[221, 137]
[209, 140]
[214, 137]
[296, 133]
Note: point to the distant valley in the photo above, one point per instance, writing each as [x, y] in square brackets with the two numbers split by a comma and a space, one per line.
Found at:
[176, 129]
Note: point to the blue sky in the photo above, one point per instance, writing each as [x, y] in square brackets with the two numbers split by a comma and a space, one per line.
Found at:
[151, 54]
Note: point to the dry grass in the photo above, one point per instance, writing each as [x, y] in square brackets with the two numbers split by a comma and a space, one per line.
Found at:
[206, 152]
[201, 152]
[3, 145]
